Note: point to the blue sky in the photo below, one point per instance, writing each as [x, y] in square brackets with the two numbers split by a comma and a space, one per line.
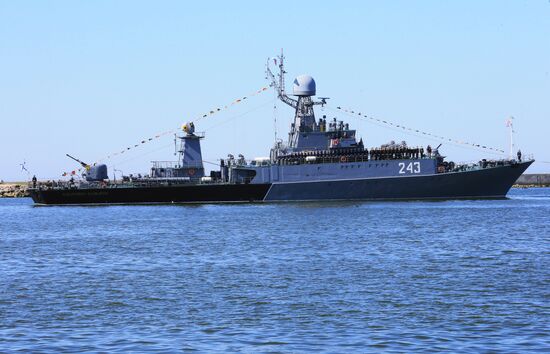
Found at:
[92, 77]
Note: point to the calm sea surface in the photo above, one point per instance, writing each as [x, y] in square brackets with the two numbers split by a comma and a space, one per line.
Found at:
[460, 276]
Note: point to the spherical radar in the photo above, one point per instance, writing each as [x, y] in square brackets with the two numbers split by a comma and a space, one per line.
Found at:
[304, 85]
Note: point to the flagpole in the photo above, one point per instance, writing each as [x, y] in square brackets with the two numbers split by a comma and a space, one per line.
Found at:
[511, 126]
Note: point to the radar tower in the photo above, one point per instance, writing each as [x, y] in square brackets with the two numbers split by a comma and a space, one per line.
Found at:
[303, 88]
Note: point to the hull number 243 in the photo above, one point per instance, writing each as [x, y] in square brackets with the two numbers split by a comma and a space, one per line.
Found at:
[411, 167]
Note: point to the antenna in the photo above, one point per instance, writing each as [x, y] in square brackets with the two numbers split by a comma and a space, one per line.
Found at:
[278, 83]
[282, 72]
[304, 89]
[275, 117]
[323, 100]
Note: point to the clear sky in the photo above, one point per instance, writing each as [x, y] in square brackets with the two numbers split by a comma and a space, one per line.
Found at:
[92, 77]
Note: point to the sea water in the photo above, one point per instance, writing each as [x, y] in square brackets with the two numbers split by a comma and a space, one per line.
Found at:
[460, 276]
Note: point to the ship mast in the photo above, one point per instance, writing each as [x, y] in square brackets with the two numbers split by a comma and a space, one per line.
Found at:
[510, 125]
[304, 117]
[278, 83]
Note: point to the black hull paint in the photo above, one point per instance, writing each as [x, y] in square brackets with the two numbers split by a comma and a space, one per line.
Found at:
[485, 183]
[206, 193]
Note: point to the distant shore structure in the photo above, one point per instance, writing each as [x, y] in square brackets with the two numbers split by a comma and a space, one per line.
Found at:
[533, 180]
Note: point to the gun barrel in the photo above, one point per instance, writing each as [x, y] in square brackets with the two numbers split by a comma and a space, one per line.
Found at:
[77, 160]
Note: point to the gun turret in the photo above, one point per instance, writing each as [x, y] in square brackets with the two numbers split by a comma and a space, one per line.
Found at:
[93, 173]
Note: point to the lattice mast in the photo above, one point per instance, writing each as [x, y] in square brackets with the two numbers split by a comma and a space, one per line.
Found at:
[304, 89]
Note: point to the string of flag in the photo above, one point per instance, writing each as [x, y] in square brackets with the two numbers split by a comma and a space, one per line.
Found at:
[119, 163]
[172, 131]
[417, 131]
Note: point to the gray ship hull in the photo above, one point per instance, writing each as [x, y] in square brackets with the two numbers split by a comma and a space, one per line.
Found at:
[484, 183]
[494, 182]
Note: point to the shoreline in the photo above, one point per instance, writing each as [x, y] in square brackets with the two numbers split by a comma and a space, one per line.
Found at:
[14, 190]
[528, 180]
[525, 186]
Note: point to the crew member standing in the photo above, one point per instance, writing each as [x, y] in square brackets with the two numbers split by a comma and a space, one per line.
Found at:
[519, 155]
[34, 180]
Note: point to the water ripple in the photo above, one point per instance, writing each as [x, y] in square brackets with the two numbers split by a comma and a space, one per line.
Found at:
[458, 276]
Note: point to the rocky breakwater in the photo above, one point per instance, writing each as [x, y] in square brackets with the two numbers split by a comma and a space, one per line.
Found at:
[529, 180]
[13, 190]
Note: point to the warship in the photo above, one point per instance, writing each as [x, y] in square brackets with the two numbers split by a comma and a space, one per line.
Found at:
[322, 160]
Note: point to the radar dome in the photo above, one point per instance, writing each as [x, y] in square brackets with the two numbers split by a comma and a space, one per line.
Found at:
[304, 85]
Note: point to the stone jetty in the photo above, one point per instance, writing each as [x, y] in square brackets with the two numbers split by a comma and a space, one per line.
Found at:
[13, 190]
[533, 180]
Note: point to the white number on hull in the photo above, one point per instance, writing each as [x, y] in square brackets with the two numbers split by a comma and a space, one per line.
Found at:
[411, 167]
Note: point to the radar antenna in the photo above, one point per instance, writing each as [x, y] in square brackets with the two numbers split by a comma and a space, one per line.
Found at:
[278, 83]
[323, 100]
[304, 89]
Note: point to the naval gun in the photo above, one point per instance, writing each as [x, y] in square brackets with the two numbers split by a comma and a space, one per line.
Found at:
[93, 173]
